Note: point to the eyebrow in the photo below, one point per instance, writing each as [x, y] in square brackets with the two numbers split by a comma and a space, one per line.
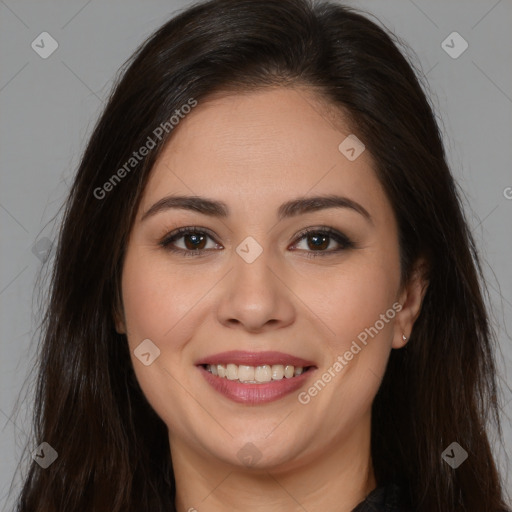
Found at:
[291, 208]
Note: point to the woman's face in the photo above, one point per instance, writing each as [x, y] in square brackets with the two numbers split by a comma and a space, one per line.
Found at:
[245, 287]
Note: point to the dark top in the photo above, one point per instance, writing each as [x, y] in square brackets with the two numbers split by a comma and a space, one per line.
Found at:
[385, 498]
[389, 498]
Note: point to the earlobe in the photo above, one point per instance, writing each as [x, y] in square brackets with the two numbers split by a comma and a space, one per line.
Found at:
[118, 317]
[120, 327]
[119, 323]
[118, 314]
[411, 300]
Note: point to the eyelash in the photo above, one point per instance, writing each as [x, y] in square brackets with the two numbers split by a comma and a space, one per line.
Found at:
[338, 237]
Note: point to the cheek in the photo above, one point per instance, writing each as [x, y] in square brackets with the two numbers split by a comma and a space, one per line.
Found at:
[356, 308]
[367, 290]
[156, 297]
[159, 306]
[350, 299]
[356, 305]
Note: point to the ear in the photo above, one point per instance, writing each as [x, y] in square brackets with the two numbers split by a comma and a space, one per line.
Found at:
[411, 299]
[118, 315]
[119, 322]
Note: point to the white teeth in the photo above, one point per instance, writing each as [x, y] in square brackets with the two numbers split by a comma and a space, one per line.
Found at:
[289, 371]
[263, 373]
[245, 373]
[232, 372]
[277, 371]
[255, 374]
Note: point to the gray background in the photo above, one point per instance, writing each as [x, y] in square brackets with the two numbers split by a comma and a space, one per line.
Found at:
[48, 108]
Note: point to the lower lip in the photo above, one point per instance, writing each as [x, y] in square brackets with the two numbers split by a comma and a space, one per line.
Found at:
[255, 393]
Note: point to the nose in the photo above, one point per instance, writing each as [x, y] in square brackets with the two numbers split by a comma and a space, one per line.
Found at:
[255, 296]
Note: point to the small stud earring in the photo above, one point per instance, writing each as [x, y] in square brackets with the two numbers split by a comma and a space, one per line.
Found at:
[404, 337]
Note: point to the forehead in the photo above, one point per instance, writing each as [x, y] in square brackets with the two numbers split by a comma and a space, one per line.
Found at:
[260, 148]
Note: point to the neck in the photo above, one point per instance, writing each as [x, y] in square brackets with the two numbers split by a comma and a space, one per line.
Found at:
[338, 479]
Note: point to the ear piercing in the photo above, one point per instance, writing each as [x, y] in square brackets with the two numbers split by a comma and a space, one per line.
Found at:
[404, 337]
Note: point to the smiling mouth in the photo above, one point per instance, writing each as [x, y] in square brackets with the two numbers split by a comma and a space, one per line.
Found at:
[261, 374]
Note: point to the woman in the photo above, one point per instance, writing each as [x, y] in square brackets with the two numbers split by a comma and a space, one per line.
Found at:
[265, 295]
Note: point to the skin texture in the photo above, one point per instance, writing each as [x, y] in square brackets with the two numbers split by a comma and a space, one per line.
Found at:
[255, 151]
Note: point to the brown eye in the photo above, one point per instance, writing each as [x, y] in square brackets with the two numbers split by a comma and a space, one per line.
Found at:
[194, 242]
[318, 241]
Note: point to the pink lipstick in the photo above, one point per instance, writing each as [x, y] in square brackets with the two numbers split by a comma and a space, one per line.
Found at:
[255, 377]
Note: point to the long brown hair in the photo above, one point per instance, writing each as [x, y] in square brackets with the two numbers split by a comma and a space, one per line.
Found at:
[113, 450]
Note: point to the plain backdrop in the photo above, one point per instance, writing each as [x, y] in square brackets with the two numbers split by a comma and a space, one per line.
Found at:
[48, 107]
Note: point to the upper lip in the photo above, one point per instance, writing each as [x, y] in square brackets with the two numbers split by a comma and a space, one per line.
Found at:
[240, 357]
